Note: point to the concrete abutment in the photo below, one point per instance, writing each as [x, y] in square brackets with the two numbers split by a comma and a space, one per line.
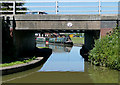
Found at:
[90, 37]
[24, 42]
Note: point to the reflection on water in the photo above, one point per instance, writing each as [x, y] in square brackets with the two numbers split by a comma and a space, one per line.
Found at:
[63, 58]
[55, 70]
[65, 61]
[56, 47]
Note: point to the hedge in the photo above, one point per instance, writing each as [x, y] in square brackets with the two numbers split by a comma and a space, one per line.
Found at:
[106, 51]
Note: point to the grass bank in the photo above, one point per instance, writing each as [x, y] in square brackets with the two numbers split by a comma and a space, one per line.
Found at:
[106, 51]
[17, 62]
[42, 47]
[77, 40]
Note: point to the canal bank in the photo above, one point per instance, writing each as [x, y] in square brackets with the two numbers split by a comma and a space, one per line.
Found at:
[65, 65]
[29, 65]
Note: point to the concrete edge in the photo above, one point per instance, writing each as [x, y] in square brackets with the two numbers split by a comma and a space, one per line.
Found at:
[22, 67]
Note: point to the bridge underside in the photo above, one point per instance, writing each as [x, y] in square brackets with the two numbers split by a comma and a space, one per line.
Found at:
[25, 40]
[59, 31]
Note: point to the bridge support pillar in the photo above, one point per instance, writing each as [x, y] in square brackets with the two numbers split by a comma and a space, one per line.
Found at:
[90, 37]
[43, 34]
[24, 42]
[40, 34]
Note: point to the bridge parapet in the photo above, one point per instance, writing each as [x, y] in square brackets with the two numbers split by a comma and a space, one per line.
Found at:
[61, 7]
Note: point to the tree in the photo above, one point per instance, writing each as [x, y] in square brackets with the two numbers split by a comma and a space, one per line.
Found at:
[8, 6]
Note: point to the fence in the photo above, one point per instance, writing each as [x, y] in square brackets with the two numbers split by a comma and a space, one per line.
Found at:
[59, 7]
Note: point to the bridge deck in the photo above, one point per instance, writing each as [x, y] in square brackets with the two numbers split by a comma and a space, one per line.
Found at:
[64, 22]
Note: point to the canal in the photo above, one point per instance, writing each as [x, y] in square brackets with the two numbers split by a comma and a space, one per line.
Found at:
[65, 65]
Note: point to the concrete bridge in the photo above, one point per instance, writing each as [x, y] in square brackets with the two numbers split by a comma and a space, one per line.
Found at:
[25, 26]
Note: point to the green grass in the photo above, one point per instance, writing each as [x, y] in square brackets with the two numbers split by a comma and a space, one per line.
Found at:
[17, 62]
[77, 40]
[42, 47]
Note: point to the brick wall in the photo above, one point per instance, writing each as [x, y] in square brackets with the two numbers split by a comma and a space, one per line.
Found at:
[104, 31]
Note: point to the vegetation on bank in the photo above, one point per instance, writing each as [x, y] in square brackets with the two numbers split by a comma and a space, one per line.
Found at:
[17, 62]
[78, 40]
[42, 47]
[105, 52]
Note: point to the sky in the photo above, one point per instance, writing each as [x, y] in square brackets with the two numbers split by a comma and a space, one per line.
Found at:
[76, 10]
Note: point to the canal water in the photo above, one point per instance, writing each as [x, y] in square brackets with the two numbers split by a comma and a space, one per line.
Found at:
[65, 65]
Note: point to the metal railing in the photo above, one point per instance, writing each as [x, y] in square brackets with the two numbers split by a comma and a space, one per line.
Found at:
[56, 7]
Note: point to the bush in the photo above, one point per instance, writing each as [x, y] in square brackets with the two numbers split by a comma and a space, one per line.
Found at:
[105, 51]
